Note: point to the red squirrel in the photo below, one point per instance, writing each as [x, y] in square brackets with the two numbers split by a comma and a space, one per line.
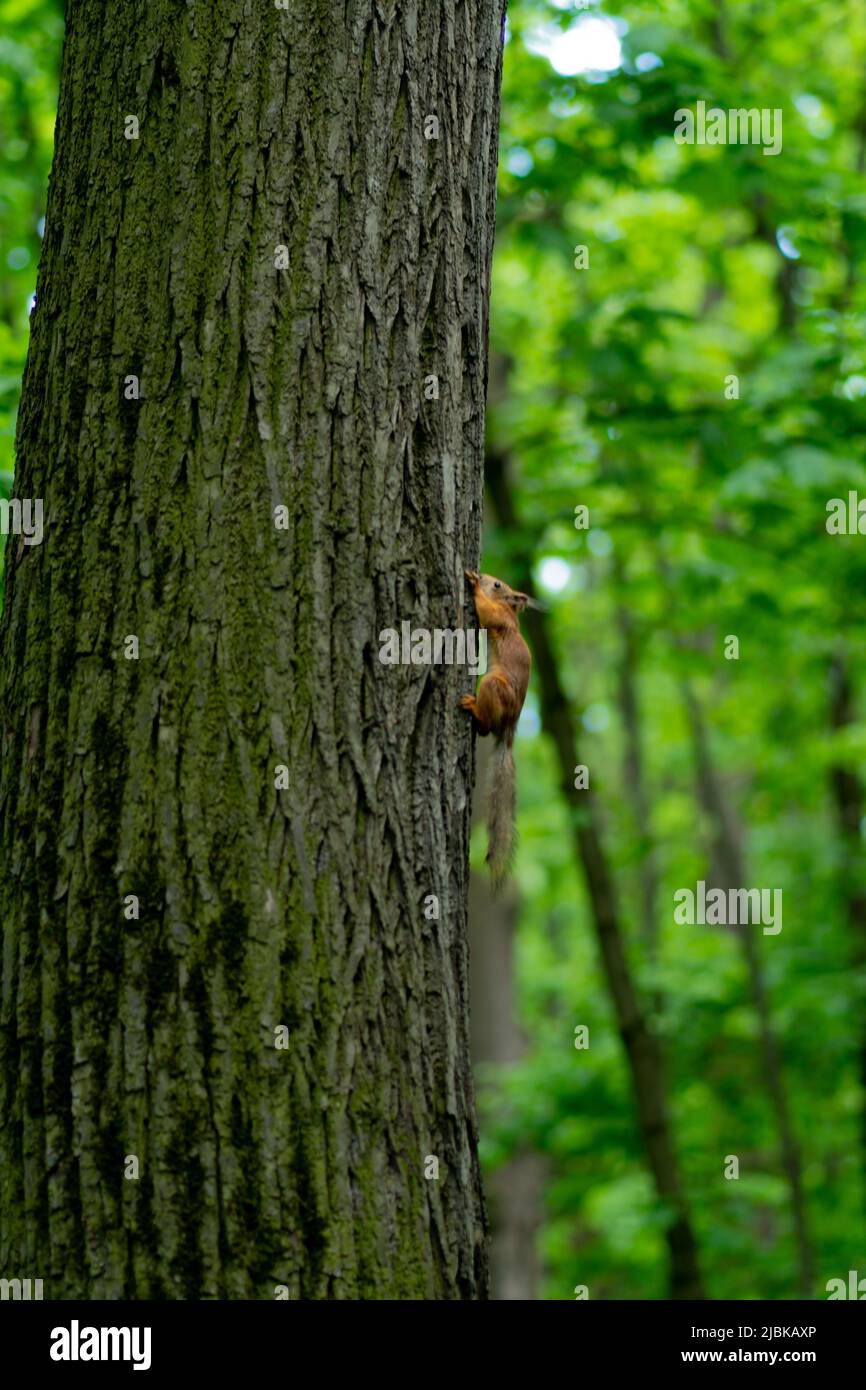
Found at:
[496, 707]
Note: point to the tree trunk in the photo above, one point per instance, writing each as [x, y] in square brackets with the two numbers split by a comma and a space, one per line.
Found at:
[728, 871]
[848, 800]
[154, 1038]
[643, 1054]
[634, 777]
[514, 1190]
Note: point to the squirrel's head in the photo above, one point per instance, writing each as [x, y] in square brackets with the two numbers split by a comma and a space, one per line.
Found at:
[500, 591]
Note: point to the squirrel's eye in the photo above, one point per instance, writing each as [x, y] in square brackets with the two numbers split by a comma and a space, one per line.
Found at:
[496, 584]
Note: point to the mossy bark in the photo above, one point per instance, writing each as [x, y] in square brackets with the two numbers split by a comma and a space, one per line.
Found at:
[259, 387]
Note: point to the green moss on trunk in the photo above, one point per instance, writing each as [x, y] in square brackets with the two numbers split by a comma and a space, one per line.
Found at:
[155, 777]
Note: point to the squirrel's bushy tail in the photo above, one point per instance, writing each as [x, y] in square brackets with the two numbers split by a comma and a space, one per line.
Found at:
[501, 807]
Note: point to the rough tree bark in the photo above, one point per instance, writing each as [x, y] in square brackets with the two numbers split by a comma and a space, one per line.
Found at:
[260, 387]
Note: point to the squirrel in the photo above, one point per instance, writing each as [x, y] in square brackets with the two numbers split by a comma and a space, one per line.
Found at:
[496, 707]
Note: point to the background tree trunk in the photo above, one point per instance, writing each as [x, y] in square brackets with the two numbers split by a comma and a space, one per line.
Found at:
[642, 1050]
[155, 777]
[728, 872]
[514, 1190]
[634, 775]
[848, 801]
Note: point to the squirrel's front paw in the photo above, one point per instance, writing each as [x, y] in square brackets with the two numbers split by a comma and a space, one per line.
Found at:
[473, 577]
[467, 702]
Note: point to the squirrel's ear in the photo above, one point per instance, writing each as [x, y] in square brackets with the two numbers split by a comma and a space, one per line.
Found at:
[520, 600]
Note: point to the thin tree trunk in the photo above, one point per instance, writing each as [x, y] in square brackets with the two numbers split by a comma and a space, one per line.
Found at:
[153, 1037]
[634, 778]
[787, 272]
[642, 1050]
[514, 1190]
[729, 871]
[848, 800]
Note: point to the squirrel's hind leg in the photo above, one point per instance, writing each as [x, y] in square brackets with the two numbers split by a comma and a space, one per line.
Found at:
[482, 724]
